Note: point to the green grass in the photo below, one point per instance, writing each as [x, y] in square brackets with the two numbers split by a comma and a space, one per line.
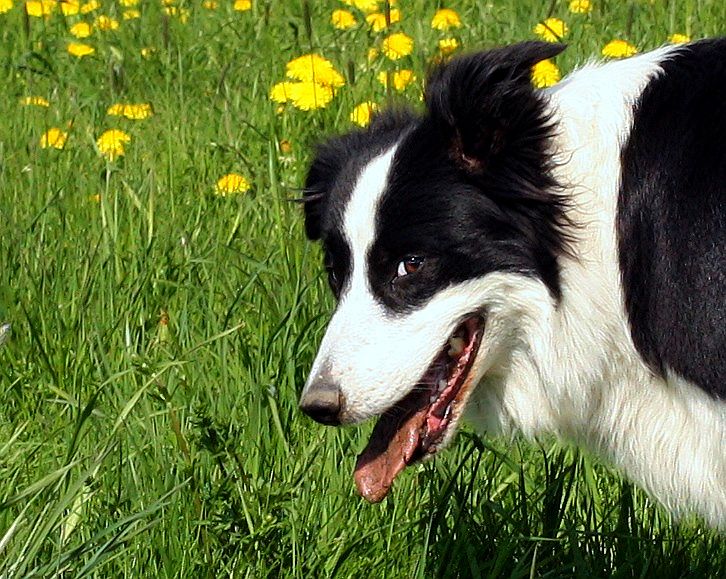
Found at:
[160, 336]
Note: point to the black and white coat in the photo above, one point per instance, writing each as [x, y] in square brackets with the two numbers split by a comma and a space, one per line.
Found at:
[584, 226]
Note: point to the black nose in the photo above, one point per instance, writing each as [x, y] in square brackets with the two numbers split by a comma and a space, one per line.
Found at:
[323, 402]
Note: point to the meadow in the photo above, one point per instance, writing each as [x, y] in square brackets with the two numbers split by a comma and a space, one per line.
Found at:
[160, 306]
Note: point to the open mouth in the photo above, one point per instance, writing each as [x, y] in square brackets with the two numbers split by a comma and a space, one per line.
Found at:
[416, 426]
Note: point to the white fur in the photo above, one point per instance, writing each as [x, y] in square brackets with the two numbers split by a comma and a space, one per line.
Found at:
[569, 368]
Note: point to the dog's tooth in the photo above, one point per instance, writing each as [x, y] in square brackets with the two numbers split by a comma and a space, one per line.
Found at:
[442, 385]
[432, 399]
[456, 346]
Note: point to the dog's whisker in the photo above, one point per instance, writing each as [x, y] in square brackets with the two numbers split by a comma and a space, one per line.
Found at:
[308, 197]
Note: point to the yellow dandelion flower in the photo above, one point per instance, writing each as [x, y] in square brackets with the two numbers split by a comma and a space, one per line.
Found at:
[545, 73]
[679, 38]
[111, 144]
[397, 45]
[317, 81]
[210, 4]
[131, 14]
[580, 6]
[551, 30]
[40, 8]
[304, 95]
[181, 13]
[342, 19]
[377, 20]
[70, 7]
[128, 3]
[148, 51]
[81, 30]
[90, 6]
[362, 114]
[96, 197]
[280, 93]
[135, 112]
[230, 184]
[372, 54]
[79, 49]
[366, 6]
[6, 6]
[53, 138]
[444, 19]
[138, 112]
[308, 96]
[314, 68]
[105, 23]
[448, 45]
[619, 49]
[242, 5]
[37, 101]
[400, 78]
[116, 110]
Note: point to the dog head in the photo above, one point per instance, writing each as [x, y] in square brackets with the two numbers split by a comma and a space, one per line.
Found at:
[423, 219]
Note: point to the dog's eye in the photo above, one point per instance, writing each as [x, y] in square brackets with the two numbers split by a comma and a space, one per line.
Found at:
[410, 264]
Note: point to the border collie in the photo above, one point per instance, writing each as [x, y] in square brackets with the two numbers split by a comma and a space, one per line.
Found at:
[536, 261]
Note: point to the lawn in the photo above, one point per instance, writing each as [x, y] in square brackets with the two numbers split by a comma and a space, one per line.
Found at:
[164, 306]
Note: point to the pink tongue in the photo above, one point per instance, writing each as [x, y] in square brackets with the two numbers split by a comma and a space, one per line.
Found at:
[391, 448]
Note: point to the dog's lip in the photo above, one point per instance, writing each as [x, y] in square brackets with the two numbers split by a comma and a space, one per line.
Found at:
[444, 411]
[415, 426]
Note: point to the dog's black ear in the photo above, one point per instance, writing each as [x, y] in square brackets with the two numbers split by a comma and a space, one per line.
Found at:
[485, 103]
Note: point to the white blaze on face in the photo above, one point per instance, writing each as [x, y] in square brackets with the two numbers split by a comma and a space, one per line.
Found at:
[375, 355]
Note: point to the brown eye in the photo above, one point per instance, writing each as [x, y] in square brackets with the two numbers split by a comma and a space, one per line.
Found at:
[410, 264]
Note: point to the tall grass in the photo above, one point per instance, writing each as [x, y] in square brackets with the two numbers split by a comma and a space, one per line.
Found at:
[161, 333]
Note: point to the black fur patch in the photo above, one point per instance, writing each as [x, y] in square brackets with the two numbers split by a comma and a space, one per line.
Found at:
[671, 221]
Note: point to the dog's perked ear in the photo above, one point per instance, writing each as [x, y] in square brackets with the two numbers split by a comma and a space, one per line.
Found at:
[485, 105]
